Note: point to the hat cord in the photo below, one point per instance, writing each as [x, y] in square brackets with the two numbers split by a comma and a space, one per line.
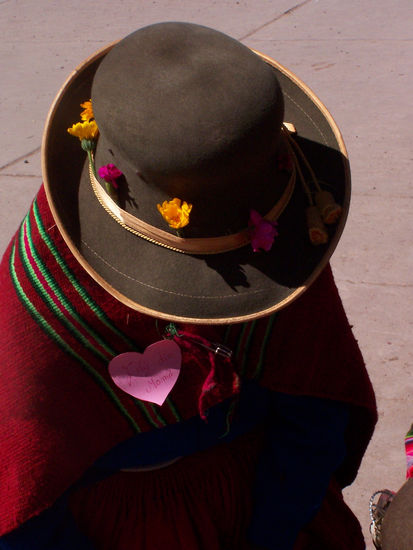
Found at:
[322, 208]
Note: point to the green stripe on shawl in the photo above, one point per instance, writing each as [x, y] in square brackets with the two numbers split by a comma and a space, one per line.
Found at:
[75, 283]
[41, 321]
[65, 303]
[101, 315]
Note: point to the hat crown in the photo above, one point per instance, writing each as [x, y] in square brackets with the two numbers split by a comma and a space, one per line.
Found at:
[189, 112]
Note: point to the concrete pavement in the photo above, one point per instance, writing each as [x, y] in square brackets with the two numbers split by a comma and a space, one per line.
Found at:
[357, 56]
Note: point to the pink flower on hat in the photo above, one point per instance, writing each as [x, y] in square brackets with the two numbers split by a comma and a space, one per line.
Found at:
[263, 232]
[110, 173]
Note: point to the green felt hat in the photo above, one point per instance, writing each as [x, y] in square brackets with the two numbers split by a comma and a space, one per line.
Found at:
[186, 112]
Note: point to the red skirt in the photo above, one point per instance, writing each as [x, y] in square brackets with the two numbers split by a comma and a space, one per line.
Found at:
[200, 502]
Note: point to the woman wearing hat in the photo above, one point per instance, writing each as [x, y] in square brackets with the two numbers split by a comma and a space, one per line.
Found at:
[177, 367]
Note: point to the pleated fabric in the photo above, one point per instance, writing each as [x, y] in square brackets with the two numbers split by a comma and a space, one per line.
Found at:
[201, 502]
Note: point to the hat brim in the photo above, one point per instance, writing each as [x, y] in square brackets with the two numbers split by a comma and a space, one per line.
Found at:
[225, 288]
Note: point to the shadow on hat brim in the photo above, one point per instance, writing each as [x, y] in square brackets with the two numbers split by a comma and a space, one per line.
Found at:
[225, 288]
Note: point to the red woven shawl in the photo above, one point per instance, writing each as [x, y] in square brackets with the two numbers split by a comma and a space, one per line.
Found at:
[60, 410]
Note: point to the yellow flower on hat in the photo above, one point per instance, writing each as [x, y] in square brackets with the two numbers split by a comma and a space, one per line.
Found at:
[175, 212]
[84, 130]
[87, 113]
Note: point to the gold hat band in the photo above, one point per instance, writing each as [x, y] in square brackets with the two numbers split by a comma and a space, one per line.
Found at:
[202, 245]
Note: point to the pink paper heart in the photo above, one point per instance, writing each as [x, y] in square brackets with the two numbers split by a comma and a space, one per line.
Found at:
[149, 376]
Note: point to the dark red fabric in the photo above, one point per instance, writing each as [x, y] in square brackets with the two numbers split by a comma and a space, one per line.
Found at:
[202, 502]
[333, 528]
[222, 381]
[56, 420]
[313, 351]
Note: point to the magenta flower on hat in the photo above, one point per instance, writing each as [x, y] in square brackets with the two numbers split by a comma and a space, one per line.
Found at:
[110, 174]
[263, 232]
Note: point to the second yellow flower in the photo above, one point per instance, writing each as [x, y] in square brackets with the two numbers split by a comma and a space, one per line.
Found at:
[175, 212]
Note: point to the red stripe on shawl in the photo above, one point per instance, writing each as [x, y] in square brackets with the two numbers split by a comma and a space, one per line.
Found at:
[58, 304]
[44, 310]
[127, 321]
